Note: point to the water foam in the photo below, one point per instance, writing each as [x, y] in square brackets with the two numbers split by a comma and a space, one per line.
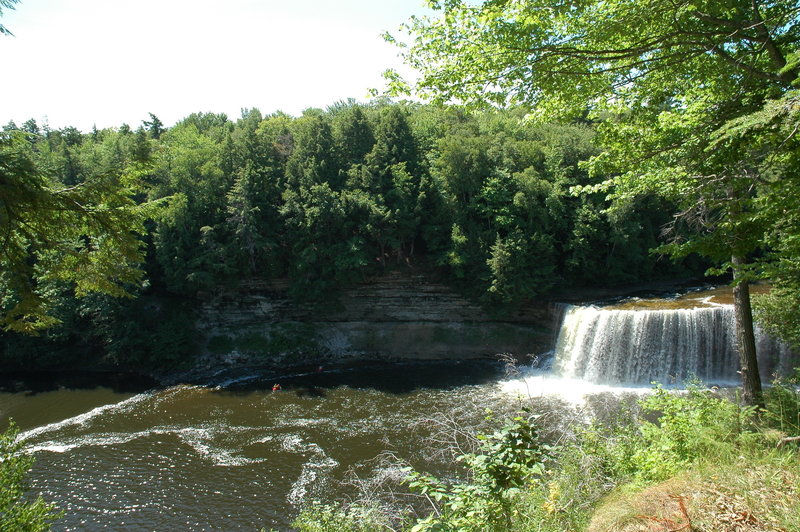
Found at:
[535, 382]
[310, 473]
[94, 440]
[86, 417]
[202, 439]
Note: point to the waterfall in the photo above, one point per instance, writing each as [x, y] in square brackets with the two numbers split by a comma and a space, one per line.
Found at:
[613, 346]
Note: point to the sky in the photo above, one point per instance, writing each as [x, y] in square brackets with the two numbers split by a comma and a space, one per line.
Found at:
[107, 62]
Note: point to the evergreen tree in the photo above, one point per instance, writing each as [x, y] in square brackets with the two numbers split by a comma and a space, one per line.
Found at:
[154, 126]
[313, 160]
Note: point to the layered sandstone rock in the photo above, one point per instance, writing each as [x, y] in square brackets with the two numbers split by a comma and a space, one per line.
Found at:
[400, 315]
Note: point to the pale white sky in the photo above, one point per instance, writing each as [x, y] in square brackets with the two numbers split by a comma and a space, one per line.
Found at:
[105, 62]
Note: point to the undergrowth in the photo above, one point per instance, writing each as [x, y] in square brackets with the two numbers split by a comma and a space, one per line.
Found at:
[690, 460]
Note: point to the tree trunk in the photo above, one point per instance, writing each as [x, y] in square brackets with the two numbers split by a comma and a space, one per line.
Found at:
[745, 338]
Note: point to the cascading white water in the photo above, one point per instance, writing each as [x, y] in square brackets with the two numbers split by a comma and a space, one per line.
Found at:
[614, 346]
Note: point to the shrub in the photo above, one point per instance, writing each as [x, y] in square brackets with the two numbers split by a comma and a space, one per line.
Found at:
[17, 513]
[690, 426]
[509, 461]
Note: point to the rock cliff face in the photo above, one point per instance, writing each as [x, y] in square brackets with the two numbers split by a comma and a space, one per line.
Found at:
[396, 316]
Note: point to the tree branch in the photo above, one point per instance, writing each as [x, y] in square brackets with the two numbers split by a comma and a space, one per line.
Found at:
[775, 53]
[744, 66]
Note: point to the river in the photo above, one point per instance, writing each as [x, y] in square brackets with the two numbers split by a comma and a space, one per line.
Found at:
[234, 454]
[239, 455]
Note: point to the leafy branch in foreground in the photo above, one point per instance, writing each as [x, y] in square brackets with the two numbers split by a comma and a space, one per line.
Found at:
[9, 4]
[52, 235]
[15, 512]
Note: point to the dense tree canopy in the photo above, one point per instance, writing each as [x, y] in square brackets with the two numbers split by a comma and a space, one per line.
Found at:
[669, 83]
[481, 199]
[80, 232]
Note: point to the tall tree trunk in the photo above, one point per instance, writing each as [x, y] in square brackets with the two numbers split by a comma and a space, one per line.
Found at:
[745, 337]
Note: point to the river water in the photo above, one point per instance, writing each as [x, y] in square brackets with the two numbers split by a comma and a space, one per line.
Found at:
[238, 456]
[235, 455]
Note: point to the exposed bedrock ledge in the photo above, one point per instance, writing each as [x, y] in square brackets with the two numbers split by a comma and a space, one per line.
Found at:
[397, 316]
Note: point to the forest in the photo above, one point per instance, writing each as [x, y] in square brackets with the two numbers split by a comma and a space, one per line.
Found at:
[560, 145]
[492, 202]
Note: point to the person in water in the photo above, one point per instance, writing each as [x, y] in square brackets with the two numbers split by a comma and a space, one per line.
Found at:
[276, 387]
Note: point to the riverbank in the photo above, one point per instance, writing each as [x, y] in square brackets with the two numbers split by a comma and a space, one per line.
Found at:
[676, 461]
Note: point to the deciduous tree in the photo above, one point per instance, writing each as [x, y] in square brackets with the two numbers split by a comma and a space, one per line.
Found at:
[662, 77]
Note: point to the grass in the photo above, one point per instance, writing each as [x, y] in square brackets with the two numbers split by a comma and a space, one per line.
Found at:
[757, 491]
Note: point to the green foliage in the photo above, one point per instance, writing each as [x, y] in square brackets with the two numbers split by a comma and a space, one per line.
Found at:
[17, 512]
[521, 265]
[252, 219]
[773, 130]
[313, 160]
[100, 332]
[328, 247]
[154, 126]
[782, 401]
[285, 339]
[508, 190]
[327, 518]
[353, 135]
[778, 312]
[509, 460]
[157, 333]
[566, 58]
[326, 199]
[84, 235]
[688, 427]
[291, 339]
